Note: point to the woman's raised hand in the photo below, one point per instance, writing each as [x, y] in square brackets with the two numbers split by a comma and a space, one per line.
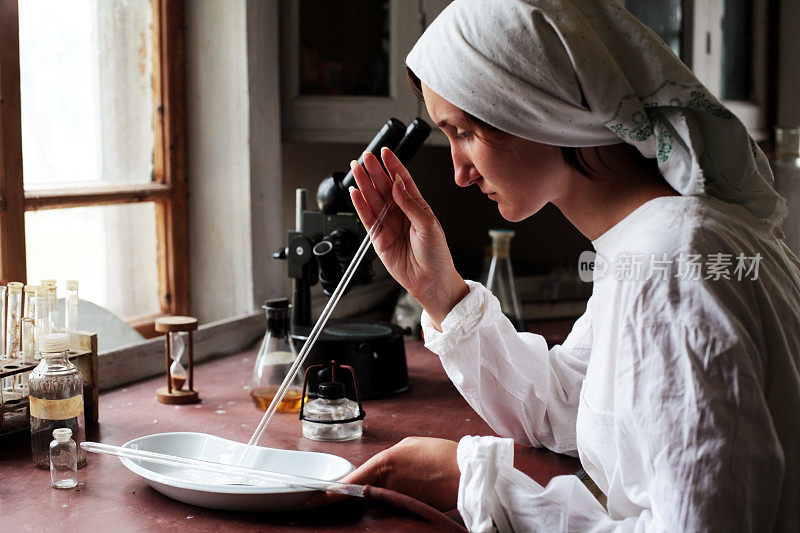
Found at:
[410, 241]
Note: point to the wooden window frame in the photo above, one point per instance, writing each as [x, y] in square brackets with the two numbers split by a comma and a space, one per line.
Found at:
[168, 189]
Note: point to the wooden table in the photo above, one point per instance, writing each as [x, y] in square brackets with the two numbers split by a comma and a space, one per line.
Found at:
[111, 498]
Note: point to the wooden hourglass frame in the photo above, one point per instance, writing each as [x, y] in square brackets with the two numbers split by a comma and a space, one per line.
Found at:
[176, 324]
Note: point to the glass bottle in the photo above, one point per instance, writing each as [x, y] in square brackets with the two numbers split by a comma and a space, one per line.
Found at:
[71, 323]
[275, 358]
[500, 277]
[63, 460]
[55, 398]
[330, 406]
[785, 165]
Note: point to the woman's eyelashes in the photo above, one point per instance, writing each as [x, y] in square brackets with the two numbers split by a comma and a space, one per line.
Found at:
[463, 134]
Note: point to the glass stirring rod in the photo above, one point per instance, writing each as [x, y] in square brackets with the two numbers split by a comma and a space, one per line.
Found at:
[321, 321]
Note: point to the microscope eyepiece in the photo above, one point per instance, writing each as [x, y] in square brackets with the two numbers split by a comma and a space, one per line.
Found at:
[332, 195]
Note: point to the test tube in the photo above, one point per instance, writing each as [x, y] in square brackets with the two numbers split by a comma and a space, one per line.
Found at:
[29, 309]
[3, 320]
[53, 299]
[28, 336]
[72, 314]
[28, 349]
[13, 317]
[42, 317]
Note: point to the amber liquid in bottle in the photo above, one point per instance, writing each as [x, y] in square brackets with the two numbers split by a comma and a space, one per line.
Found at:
[263, 397]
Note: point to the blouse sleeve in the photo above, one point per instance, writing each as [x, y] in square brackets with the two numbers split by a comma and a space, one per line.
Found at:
[518, 386]
[694, 441]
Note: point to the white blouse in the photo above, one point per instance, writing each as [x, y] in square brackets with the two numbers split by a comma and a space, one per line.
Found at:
[678, 389]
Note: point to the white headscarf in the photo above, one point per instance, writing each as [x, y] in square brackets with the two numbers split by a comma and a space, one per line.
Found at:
[587, 73]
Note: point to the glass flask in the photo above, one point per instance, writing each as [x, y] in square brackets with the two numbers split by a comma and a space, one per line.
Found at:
[63, 460]
[177, 373]
[785, 165]
[275, 358]
[320, 416]
[55, 394]
[500, 277]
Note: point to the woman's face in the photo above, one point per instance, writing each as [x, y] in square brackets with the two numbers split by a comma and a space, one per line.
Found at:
[520, 175]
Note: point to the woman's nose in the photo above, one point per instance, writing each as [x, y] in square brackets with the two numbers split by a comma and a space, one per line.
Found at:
[465, 172]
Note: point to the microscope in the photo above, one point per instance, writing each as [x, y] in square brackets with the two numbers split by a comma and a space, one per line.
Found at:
[319, 249]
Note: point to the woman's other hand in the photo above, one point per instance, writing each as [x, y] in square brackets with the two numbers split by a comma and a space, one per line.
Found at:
[421, 467]
[410, 243]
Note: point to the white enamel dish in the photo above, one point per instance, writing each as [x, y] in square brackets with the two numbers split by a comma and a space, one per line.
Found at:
[216, 491]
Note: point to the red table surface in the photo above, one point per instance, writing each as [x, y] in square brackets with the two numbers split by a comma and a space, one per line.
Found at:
[111, 498]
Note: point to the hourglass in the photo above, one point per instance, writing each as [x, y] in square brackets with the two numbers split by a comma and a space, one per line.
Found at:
[178, 337]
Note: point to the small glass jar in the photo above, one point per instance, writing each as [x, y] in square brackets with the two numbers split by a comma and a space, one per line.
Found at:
[63, 460]
[332, 416]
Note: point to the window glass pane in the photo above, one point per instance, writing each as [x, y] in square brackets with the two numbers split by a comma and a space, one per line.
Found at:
[111, 250]
[344, 47]
[664, 17]
[86, 91]
[737, 50]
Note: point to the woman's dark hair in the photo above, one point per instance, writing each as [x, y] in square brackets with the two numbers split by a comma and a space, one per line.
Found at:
[573, 156]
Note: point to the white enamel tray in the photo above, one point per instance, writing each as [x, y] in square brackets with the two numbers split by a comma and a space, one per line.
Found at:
[213, 490]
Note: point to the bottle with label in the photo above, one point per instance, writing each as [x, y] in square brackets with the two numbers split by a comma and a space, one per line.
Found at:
[275, 358]
[56, 398]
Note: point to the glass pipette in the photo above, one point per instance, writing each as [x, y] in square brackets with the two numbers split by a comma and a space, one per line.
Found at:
[312, 338]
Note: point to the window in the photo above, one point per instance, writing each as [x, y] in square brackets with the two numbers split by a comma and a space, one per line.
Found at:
[724, 42]
[92, 151]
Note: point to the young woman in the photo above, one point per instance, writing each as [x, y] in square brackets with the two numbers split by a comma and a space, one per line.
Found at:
[679, 387]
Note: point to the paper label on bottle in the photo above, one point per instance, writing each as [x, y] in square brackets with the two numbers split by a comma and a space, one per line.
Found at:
[279, 358]
[56, 409]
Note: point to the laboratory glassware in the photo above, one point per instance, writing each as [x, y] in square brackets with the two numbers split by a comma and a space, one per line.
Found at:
[13, 340]
[29, 309]
[55, 398]
[3, 292]
[42, 320]
[71, 323]
[13, 317]
[785, 165]
[332, 416]
[52, 297]
[63, 460]
[500, 277]
[317, 329]
[275, 359]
